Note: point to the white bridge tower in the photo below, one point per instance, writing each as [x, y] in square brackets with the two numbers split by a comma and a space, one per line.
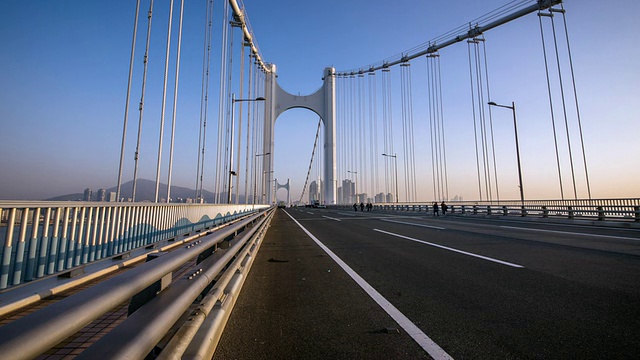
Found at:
[323, 103]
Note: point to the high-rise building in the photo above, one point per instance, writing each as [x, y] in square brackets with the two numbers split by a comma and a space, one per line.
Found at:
[87, 194]
[389, 198]
[112, 196]
[102, 195]
[348, 191]
[314, 191]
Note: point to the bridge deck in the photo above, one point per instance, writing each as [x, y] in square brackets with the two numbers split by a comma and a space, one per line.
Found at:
[298, 303]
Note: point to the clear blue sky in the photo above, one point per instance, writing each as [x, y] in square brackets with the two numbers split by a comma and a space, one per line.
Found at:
[64, 66]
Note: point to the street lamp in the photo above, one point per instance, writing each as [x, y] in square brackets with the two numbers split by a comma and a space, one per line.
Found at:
[255, 177]
[355, 183]
[231, 172]
[396, 168]
[515, 130]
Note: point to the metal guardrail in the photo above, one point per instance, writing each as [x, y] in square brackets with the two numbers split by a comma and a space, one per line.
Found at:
[43, 238]
[627, 209]
[134, 338]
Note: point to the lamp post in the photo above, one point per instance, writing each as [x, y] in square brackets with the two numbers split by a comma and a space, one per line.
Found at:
[396, 171]
[255, 176]
[231, 172]
[515, 130]
[355, 183]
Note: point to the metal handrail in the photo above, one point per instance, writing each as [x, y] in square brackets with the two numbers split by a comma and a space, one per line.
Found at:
[40, 238]
[62, 319]
[623, 209]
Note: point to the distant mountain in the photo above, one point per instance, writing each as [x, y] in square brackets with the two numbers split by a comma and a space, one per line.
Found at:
[145, 191]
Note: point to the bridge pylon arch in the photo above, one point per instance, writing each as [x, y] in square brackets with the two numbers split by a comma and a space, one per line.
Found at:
[323, 103]
[287, 186]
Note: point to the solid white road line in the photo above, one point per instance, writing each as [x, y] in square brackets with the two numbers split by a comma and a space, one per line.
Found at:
[572, 233]
[452, 249]
[414, 224]
[421, 338]
[328, 217]
[310, 213]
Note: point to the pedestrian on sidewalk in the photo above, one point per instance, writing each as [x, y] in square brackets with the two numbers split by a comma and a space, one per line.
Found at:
[355, 207]
[435, 209]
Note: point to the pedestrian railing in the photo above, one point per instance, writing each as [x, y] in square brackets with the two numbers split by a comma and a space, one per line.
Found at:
[206, 293]
[627, 209]
[43, 238]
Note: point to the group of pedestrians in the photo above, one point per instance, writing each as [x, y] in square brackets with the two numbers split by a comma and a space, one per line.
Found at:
[436, 210]
[362, 205]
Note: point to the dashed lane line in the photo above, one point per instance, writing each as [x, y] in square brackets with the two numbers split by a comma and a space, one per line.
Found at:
[329, 217]
[414, 224]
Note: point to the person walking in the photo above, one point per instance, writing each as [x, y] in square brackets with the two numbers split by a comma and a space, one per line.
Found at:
[444, 208]
[355, 207]
[361, 206]
[435, 209]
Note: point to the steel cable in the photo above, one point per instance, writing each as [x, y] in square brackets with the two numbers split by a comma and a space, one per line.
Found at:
[128, 99]
[553, 118]
[141, 108]
[175, 102]
[164, 100]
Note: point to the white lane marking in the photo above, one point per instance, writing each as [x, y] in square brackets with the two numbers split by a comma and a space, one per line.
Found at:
[308, 212]
[452, 249]
[328, 217]
[571, 233]
[412, 330]
[347, 214]
[414, 224]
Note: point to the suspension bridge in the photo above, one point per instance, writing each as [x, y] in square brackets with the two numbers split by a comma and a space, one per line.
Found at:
[376, 256]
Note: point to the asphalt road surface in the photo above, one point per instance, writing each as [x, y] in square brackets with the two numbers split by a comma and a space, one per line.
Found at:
[372, 285]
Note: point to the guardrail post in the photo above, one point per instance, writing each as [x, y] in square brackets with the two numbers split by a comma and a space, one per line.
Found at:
[141, 298]
[463, 210]
[600, 213]
[505, 212]
[475, 209]
[636, 210]
[488, 209]
[570, 211]
[545, 212]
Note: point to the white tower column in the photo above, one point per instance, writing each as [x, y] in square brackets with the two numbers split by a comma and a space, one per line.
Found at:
[330, 171]
[323, 103]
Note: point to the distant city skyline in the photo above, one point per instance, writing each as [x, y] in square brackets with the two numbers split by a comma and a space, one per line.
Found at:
[64, 71]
